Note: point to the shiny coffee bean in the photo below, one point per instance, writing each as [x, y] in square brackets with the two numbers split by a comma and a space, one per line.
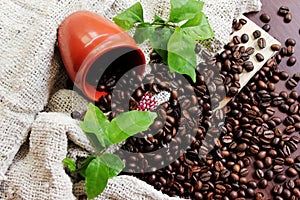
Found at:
[244, 38]
[291, 61]
[256, 34]
[288, 18]
[265, 18]
[266, 27]
[261, 42]
[283, 10]
[259, 57]
[290, 42]
[275, 47]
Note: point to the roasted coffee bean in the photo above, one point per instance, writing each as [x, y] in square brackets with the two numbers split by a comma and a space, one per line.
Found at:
[286, 194]
[275, 47]
[250, 50]
[242, 147]
[277, 189]
[256, 34]
[288, 18]
[294, 108]
[266, 27]
[234, 177]
[205, 177]
[268, 161]
[278, 168]
[280, 178]
[244, 38]
[291, 172]
[291, 61]
[269, 175]
[283, 75]
[259, 173]
[291, 83]
[290, 184]
[261, 42]
[244, 172]
[259, 57]
[259, 164]
[265, 17]
[290, 42]
[283, 10]
[236, 39]
[290, 50]
[263, 183]
[243, 21]
[296, 192]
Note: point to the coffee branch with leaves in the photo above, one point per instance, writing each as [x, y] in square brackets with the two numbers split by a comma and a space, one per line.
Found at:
[173, 39]
[102, 133]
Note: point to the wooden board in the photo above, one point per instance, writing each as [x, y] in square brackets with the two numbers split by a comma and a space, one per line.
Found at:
[249, 28]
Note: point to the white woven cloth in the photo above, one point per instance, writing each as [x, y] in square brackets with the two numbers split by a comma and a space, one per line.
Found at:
[30, 72]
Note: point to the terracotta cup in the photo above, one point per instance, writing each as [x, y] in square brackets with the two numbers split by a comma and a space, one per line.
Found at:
[89, 43]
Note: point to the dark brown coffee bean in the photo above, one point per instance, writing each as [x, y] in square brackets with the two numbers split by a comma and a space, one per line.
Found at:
[278, 168]
[256, 34]
[250, 50]
[265, 17]
[290, 184]
[236, 39]
[266, 27]
[283, 75]
[242, 147]
[243, 21]
[261, 42]
[259, 164]
[205, 177]
[268, 161]
[296, 192]
[280, 178]
[290, 129]
[291, 61]
[294, 108]
[277, 189]
[259, 57]
[286, 194]
[291, 83]
[234, 177]
[290, 50]
[291, 172]
[244, 172]
[269, 175]
[288, 18]
[290, 42]
[283, 10]
[278, 161]
[244, 38]
[263, 183]
[259, 173]
[275, 47]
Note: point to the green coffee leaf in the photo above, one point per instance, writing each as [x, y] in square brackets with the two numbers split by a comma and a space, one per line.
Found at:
[84, 165]
[159, 41]
[198, 28]
[130, 16]
[68, 162]
[95, 122]
[143, 32]
[128, 124]
[96, 178]
[184, 9]
[158, 19]
[181, 55]
[113, 162]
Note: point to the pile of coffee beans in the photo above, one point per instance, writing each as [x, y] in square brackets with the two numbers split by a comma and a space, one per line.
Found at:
[246, 150]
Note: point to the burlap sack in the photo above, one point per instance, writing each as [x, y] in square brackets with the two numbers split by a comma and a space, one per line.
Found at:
[29, 68]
